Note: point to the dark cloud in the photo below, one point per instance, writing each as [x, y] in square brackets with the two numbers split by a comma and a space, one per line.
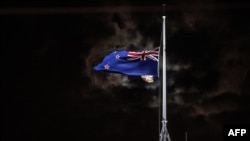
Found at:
[50, 91]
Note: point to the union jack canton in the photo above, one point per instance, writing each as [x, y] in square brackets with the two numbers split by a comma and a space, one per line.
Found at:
[143, 55]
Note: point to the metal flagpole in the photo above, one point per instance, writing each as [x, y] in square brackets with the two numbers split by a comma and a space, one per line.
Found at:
[164, 135]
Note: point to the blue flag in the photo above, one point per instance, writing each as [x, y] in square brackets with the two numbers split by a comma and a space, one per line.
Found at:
[131, 63]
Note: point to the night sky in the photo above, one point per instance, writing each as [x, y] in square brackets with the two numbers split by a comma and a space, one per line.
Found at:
[49, 91]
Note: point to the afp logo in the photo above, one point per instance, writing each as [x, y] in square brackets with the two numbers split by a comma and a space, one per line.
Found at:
[236, 133]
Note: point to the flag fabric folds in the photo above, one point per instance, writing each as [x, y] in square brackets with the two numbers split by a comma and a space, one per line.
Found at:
[130, 62]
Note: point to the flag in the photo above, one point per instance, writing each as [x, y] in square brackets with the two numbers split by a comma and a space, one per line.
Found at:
[130, 62]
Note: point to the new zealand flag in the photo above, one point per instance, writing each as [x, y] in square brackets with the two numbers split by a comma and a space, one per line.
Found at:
[131, 63]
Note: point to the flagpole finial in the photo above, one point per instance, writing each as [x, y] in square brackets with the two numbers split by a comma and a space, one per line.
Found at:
[164, 7]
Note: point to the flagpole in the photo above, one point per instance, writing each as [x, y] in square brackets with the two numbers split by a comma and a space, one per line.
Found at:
[164, 135]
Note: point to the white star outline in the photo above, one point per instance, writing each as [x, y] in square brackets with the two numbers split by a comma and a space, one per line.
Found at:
[106, 67]
[117, 57]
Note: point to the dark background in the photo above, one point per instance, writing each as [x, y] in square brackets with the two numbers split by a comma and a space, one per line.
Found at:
[50, 92]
